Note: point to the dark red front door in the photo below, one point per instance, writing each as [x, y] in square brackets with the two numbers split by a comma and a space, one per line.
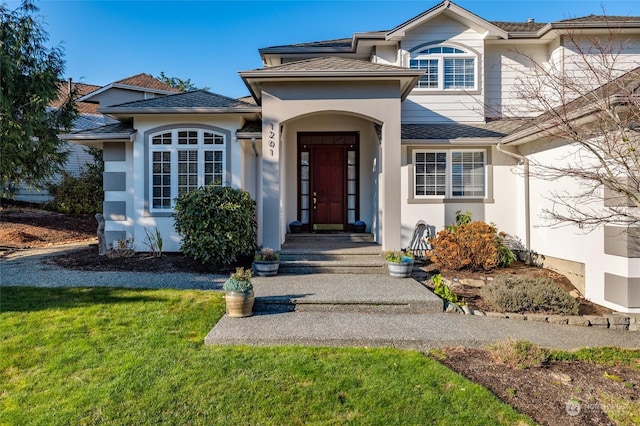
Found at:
[328, 187]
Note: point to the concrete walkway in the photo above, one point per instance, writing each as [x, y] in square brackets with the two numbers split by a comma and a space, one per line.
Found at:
[326, 309]
[369, 310]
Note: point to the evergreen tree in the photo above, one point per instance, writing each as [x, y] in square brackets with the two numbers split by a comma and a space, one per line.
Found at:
[30, 76]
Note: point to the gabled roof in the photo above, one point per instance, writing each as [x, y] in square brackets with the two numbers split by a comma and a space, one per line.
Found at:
[331, 68]
[140, 82]
[451, 10]
[198, 101]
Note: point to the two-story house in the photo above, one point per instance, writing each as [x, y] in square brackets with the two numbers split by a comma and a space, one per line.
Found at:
[388, 127]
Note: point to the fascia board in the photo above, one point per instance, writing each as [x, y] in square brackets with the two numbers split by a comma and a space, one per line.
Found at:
[100, 136]
[456, 141]
[248, 135]
[179, 110]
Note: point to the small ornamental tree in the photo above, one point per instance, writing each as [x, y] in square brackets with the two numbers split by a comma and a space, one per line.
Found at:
[217, 224]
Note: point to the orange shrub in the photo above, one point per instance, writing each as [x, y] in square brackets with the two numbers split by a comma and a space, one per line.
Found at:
[470, 246]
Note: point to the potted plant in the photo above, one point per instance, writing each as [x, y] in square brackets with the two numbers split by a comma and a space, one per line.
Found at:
[239, 295]
[359, 226]
[266, 262]
[295, 227]
[400, 263]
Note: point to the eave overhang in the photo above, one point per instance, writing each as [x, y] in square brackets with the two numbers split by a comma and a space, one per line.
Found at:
[115, 111]
[255, 79]
[113, 137]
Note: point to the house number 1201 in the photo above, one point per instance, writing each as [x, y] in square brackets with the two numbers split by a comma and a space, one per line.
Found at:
[272, 140]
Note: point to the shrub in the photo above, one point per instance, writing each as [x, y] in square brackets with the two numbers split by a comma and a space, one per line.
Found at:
[519, 353]
[514, 293]
[394, 256]
[468, 246]
[443, 290]
[239, 281]
[82, 194]
[217, 224]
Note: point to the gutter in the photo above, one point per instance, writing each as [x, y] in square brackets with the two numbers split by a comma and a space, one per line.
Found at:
[527, 203]
[102, 136]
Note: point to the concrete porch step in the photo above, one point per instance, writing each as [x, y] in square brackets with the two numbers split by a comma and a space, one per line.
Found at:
[331, 267]
[344, 293]
[336, 237]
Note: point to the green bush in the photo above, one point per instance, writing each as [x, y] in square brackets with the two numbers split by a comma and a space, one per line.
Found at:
[514, 293]
[217, 224]
[443, 290]
[81, 194]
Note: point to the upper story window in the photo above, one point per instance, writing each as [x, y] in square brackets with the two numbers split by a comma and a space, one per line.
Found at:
[445, 68]
[182, 160]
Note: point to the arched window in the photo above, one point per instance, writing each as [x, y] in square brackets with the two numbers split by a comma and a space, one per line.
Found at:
[182, 160]
[446, 67]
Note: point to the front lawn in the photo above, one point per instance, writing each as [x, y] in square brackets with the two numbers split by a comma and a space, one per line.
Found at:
[115, 356]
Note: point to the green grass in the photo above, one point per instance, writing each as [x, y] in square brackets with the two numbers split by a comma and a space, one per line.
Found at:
[603, 356]
[115, 356]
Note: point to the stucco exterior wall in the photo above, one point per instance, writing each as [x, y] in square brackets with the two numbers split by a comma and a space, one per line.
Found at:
[504, 205]
[571, 242]
[137, 218]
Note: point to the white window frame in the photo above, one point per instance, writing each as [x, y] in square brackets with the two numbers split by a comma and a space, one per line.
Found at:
[449, 173]
[173, 148]
[440, 58]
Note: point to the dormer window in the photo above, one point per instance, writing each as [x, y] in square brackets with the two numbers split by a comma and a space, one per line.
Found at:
[446, 68]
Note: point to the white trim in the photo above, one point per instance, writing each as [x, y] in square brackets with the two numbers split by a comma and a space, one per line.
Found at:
[173, 149]
[448, 174]
[441, 58]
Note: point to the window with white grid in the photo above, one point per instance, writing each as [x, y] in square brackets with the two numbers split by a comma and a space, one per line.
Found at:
[446, 68]
[183, 160]
[449, 173]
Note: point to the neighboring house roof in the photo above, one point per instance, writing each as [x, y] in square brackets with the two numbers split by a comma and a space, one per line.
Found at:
[334, 68]
[81, 89]
[90, 121]
[136, 82]
[116, 131]
[616, 91]
[248, 99]
[447, 131]
[198, 101]
[601, 19]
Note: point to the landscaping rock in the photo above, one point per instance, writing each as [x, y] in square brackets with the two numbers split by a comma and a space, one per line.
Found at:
[562, 377]
[618, 322]
[471, 282]
[453, 308]
[558, 319]
[537, 317]
[578, 320]
[496, 315]
[513, 315]
[595, 321]
[575, 294]
[479, 313]
[466, 310]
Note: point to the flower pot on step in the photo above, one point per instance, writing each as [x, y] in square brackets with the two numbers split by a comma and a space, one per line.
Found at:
[400, 270]
[266, 268]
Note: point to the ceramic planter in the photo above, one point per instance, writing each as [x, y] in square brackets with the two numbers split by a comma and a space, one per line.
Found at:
[266, 268]
[400, 270]
[239, 304]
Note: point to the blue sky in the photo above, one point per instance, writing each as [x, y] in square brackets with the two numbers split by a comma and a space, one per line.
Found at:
[210, 41]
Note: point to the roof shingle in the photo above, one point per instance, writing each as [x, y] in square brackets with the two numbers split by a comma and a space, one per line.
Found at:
[331, 64]
[146, 81]
[195, 99]
[447, 131]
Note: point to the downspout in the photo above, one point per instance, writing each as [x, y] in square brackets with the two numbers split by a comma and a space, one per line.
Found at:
[253, 146]
[527, 205]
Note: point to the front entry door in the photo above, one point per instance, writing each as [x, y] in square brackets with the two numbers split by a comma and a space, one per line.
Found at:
[328, 187]
[328, 180]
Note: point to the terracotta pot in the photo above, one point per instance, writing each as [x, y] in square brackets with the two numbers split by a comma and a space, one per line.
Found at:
[266, 268]
[400, 270]
[239, 304]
